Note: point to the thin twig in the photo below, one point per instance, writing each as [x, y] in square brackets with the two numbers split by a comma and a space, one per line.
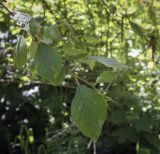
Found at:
[10, 81]
[44, 13]
[122, 28]
[48, 7]
[59, 132]
[10, 12]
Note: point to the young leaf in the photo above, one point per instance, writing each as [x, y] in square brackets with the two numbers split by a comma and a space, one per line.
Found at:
[47, 62]
[106, 77]
[137, 29]
[88, 111]
[106, 61]
[20, 53]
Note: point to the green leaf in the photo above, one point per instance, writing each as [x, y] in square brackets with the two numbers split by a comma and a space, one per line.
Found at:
[154, 140]
[117, 117]
[33, 48]
[91, 64]
[47, 41]
[59, 78]
[106, 77]
[47, 62]
[124, 134]
[75, 53]
[137, 29]
[143, 124]
[20, 53]
[34, 27]
[91, 39]
[88, 111]
[106, 61]
[71, 51]
[152, 15]
[36, 39]
[52, 33]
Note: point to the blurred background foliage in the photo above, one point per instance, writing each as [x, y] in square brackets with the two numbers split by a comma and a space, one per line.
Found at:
[35, 116]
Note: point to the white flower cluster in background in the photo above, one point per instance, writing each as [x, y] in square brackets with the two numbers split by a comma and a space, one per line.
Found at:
[22, 20]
